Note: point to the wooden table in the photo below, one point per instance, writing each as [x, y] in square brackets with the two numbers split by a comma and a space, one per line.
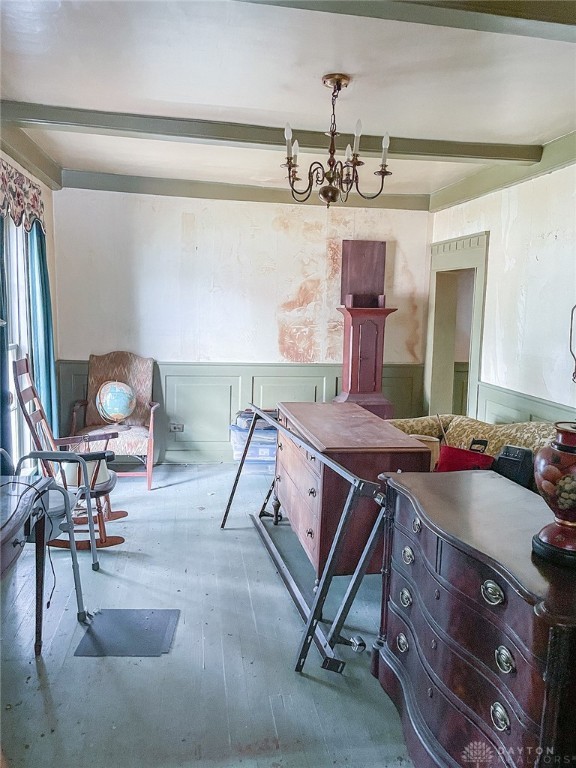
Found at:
[21, 510]
[313, 496]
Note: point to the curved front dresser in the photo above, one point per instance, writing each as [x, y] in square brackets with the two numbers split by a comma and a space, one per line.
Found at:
[478, 637]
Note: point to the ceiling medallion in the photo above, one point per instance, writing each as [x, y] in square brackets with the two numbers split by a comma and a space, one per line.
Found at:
[337, 180]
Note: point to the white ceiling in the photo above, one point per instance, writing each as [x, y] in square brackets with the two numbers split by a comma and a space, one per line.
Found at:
[260, 64]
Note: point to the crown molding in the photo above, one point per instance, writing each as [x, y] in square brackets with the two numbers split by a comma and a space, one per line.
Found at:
[556, 155]
[24, 151]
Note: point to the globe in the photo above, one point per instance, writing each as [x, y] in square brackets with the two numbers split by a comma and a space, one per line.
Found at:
[115, 401]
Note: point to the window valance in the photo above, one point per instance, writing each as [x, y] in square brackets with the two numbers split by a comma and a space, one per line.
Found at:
[20, 198]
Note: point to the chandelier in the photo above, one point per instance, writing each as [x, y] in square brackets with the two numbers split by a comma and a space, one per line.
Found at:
[339, 178]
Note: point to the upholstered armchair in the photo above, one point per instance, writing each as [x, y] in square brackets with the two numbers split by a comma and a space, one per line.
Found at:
[136, 433]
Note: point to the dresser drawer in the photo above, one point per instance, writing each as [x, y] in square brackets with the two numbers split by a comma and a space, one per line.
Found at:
[294, 462]
[415, 554]
[457, 703]
[11, 548]
[410, 526]
[406, 517]
[285, 444]
[494, 596]
[302, 512]
[448, 726]
[482, 643]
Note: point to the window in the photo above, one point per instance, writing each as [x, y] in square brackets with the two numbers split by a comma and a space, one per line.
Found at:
[25, 303]
[18, 325]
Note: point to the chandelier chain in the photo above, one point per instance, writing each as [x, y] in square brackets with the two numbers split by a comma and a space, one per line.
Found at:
[335, 93]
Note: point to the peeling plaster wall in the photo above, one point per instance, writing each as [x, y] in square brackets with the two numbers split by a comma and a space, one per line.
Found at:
[186, 280]
[531, 282]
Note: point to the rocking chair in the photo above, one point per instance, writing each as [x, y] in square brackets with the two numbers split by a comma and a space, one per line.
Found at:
[89, 479]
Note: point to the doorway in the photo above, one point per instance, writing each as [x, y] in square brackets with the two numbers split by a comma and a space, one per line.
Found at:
[455, 312]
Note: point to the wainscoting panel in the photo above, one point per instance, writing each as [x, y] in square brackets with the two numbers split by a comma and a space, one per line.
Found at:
[204, 406]
[502, 406]
[269, 390]
[460, 391]
[72, 376]
[403, 386]
[204, 398]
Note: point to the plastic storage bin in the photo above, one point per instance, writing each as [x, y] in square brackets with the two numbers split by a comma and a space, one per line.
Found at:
[262, 446]
[244, 419]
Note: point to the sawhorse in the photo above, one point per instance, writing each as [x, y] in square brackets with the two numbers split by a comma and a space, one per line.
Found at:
[312, 615]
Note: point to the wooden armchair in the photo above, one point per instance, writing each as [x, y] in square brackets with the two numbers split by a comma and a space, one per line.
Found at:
[136, 434]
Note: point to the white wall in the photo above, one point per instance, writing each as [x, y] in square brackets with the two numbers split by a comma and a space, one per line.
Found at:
[204, 280]
[196, 280]
[531, 282]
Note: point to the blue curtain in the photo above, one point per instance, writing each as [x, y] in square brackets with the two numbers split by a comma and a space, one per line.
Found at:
[5, 430]
[42, 341]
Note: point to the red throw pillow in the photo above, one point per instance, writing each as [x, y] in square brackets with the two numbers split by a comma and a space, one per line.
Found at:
[455, 459]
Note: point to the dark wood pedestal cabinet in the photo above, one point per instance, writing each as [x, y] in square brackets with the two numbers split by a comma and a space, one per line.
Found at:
[365, 313]
[478, 635]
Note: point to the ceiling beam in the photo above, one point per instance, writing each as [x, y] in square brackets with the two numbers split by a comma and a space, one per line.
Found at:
[146, 185]
[26, 115]
[528, 19]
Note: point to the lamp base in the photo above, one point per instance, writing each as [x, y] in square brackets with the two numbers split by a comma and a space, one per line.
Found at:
[557, 544]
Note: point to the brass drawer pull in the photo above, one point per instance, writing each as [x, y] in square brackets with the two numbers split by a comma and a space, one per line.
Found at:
[408, 555]
[499, 717]
[312, 492]
[416, 525]
[504, 660]
[310, 533]
[405, 597]
[492, 593]
[402, 643]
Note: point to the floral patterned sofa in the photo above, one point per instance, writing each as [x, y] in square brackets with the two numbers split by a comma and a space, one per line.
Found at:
[461, 430]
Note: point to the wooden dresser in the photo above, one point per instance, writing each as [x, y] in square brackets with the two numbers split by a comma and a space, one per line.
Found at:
[313, 496]
[478, 643]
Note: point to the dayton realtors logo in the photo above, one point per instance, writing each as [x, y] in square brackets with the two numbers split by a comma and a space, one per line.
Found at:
[478, 754]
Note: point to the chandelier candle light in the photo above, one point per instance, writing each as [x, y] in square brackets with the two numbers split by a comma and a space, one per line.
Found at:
[340, 177]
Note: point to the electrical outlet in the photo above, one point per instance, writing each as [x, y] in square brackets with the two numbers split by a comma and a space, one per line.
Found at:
[176, 427]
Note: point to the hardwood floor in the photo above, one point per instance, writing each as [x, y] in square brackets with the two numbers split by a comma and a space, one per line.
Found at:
[227, 695]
